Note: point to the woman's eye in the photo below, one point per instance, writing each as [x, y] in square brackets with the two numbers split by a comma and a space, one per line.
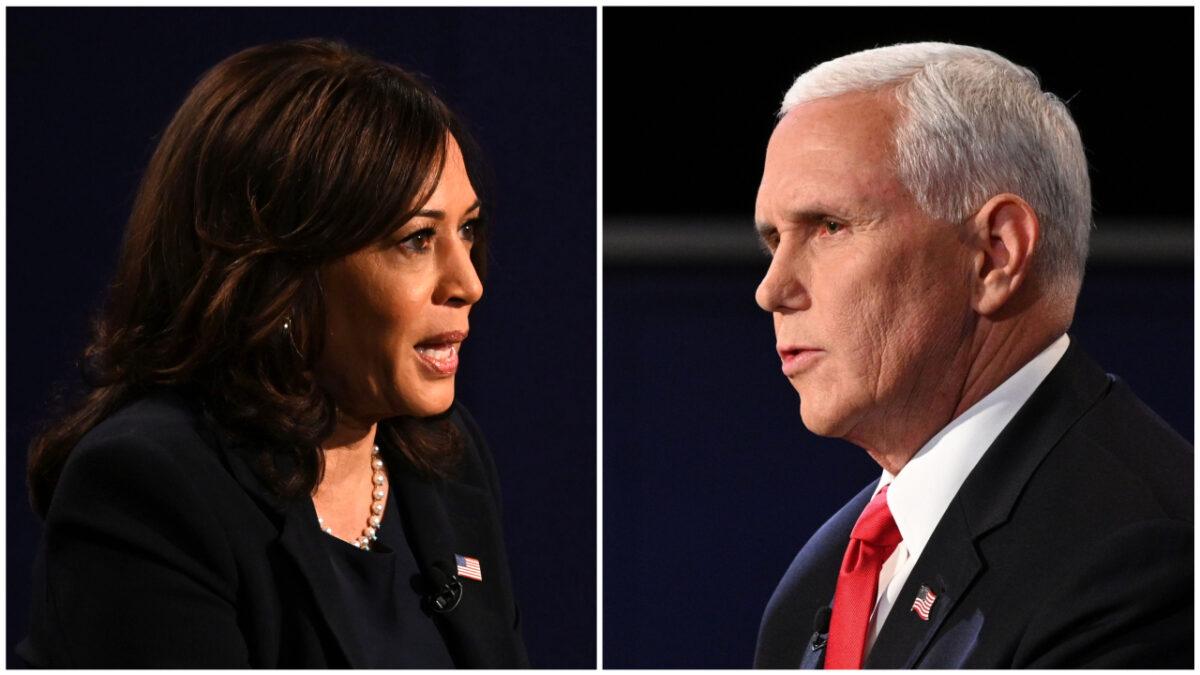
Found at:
[419, 241]
[469, 230]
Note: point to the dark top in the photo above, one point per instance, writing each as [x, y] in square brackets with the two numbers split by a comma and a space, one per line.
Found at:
[1068, 545]
[384, 583]
[162, 548]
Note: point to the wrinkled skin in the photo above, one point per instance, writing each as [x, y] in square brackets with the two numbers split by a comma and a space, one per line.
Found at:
[859, 272]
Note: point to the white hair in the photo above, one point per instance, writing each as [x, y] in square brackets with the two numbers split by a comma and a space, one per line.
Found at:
[973, 125]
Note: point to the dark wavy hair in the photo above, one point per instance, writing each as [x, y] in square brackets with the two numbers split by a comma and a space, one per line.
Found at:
[282, 158]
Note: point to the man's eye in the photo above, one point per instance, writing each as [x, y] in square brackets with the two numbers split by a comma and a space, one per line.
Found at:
[831, 226]
[419, 241]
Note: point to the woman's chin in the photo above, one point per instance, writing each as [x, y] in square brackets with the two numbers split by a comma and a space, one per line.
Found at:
[435, 400]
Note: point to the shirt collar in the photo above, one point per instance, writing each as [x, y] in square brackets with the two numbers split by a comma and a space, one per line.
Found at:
[922, 490]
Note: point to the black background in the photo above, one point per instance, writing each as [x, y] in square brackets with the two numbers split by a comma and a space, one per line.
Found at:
[691, 93]
[711, 482]
[89, 90]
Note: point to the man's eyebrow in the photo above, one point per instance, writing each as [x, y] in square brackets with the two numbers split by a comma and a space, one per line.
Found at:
[767, 237]
[806, 214]
[812, 213]
[438, 214]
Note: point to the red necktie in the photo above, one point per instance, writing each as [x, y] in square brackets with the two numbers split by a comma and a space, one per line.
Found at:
[873, 539]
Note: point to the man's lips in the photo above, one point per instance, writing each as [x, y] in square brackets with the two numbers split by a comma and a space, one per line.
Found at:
[797, 358]
[439, 353]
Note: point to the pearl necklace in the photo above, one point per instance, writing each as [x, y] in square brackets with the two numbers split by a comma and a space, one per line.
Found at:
[378, 494]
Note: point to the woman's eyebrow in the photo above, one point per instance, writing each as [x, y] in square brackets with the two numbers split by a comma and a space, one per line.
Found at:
[438, 214]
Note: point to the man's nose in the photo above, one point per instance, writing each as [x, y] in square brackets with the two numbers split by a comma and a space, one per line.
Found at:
[781, 289]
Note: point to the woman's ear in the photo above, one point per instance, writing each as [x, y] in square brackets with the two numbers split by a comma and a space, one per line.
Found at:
[1006, 232]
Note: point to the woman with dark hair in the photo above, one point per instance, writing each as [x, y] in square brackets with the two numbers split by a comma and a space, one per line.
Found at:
[269, 467]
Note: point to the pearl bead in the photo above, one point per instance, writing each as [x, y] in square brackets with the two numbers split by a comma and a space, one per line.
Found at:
[378, 493]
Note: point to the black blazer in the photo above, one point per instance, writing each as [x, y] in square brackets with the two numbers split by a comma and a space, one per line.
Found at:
[162, 548]
[1069, 544]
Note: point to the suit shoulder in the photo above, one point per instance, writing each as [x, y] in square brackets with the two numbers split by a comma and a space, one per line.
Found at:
[1127, 418]
[157, 438]
[1132, 452]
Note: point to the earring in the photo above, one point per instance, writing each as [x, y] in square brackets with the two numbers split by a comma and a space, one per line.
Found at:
[287, 330]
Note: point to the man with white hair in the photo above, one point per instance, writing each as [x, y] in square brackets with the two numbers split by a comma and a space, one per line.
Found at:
[927, 209]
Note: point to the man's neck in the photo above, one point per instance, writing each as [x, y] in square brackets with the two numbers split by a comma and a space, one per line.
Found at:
[995, 354]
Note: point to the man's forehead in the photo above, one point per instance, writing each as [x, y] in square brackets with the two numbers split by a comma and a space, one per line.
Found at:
[862, 122]
[831, 152]
[878, 103]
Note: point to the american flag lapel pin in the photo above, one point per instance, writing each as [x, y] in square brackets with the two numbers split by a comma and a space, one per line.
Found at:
[468, 567]
[924, 602]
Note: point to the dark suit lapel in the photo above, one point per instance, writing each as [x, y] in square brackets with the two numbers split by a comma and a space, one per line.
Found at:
[440, 518]
[948, 565]
[299, 538]
[990, 492]
[950, 560]
[813, 657]
[443, 518]
[808, 585]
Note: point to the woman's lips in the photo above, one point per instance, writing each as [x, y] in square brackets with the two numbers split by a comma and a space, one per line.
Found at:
[798, 359]
[439, 353]
[441, 359]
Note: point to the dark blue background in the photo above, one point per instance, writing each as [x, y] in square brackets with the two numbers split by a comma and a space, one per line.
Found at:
[711, 482]
[89, 90]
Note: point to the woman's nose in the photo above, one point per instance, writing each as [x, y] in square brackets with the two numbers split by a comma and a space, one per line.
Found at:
[460, 284]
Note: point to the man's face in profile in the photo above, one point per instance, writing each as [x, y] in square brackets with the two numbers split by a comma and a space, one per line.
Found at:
[870, 296]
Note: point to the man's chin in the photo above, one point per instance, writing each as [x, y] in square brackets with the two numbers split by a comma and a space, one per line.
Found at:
[822, 422]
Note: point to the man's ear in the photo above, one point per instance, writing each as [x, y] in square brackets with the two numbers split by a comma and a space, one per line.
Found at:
[1006, 233]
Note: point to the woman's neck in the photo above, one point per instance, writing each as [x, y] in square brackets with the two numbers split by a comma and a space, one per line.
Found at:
[347, 496]
[347, 454]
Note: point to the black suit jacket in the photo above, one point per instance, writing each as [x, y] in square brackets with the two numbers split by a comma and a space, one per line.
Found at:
[1069, 544]
[162, 548]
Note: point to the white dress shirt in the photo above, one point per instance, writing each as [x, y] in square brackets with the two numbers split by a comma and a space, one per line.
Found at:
[923, 489]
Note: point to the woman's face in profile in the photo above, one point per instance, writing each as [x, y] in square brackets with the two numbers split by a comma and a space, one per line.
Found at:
[397, 310]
